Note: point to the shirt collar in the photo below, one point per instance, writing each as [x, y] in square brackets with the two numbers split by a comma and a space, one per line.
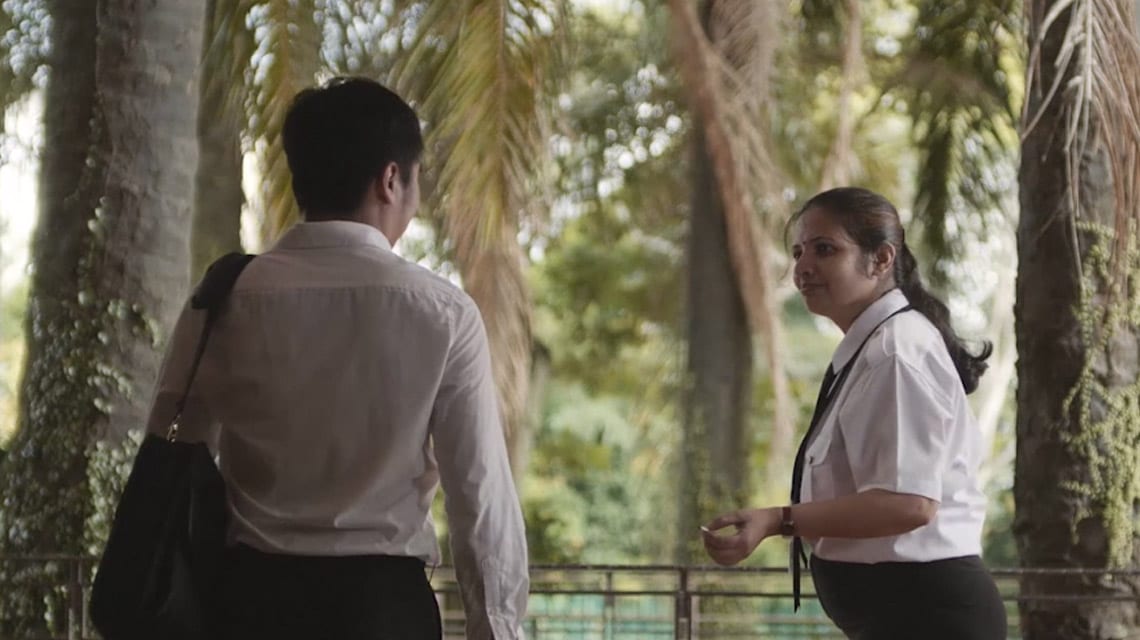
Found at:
[867, 321]
[332, 233]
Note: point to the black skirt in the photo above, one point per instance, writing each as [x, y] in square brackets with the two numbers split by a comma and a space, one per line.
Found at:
[285, 597]
[953, 599]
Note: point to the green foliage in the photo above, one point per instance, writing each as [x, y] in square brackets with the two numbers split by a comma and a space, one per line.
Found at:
[608, 284]
[960, 85]
[109, 464]
[1106, 410]
[607, 260]
[594, 493]
[23, 49]
[608, 299]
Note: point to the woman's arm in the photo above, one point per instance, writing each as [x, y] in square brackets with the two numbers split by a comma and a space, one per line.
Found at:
[870, 514]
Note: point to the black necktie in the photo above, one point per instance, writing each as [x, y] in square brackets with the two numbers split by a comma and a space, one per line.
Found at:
[797, 550]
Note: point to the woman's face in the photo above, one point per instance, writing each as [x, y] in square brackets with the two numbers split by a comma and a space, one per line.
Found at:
[835, 277]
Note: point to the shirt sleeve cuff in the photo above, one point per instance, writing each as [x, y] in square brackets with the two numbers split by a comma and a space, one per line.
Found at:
[929, 488]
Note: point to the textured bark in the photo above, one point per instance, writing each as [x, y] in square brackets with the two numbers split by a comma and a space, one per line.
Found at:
[44, 474]
[69, 104]
[110, 263]
[1063, 519]
[715, 443]
[148, 89]
[216, 222]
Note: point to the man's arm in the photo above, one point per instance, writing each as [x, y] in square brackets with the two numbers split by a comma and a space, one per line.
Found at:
[488, 539]
[196, 423]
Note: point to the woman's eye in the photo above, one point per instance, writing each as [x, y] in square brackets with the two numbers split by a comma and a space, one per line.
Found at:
[824, 249]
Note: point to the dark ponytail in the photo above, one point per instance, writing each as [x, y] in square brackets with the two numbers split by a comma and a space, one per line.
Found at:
[871, 220]
[970, 367]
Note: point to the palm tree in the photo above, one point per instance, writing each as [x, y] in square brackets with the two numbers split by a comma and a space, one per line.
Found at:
[957, 91]
[727, 54]
[107, 254]
[1078, 430]
[286, 61]
[481, 74]
[227, 48]
[256, 55]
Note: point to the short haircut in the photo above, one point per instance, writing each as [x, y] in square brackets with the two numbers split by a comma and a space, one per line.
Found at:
[338, 137]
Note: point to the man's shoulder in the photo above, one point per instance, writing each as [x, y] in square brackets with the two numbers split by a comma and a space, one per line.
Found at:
[417, 277]
[354, 267]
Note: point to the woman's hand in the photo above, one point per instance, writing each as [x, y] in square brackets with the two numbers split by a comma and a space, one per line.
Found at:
[752, 526]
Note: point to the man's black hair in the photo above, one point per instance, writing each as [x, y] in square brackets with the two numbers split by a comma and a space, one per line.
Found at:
[339, 136]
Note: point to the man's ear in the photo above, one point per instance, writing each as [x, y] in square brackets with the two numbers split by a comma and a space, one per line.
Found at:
[387, 183]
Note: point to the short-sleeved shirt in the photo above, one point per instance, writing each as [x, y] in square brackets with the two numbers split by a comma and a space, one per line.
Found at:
[900, 423]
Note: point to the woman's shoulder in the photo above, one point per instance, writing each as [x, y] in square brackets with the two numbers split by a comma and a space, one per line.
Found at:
[911, 340]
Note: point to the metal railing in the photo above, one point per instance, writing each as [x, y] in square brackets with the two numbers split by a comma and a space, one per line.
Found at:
[624, 602]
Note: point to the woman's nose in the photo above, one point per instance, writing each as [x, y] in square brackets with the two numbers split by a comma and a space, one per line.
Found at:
[802, 266]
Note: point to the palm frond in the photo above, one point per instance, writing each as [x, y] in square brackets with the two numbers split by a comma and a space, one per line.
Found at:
[481, 73]
[286, 61]
[1099, 63]
[361, 37]
[957, 89]
[228, 54]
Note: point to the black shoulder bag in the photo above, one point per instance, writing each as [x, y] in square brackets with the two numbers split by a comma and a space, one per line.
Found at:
[158, 575]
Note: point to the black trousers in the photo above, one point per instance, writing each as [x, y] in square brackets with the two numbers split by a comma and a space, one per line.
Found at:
[285, 597]
[953, 599]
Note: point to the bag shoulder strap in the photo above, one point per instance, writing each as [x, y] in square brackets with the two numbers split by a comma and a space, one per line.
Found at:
[210, 296]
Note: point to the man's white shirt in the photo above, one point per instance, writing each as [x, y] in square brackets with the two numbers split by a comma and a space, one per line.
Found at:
[340, 387]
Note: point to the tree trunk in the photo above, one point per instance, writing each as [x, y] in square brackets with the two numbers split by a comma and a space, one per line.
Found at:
[715, 445]
[837, 165]
[69, 104]
[493, 275]
[45, 472]
[110, 263]
[1077, 423]
[216, 222]
[740, 35]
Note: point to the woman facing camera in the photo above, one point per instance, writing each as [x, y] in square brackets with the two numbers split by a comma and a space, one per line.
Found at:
[884, 489]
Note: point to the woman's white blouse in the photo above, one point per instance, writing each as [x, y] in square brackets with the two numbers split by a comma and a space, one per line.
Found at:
[900, 423]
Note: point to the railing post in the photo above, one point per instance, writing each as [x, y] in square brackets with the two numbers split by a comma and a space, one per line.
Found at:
[75, 600]
[682, 610]
[608, 610]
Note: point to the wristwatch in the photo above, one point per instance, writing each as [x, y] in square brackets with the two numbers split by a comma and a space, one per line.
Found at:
[787, 525]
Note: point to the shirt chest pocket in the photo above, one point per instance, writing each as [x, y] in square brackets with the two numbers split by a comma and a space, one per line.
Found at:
[826, 465]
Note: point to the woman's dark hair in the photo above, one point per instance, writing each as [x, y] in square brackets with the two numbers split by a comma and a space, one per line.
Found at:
[871, 220]
[338, 137]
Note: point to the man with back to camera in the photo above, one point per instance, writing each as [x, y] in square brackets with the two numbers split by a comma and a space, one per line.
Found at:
[341, 385]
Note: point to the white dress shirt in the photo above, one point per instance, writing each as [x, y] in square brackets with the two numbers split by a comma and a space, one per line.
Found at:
[900, 423]
[341, 385]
